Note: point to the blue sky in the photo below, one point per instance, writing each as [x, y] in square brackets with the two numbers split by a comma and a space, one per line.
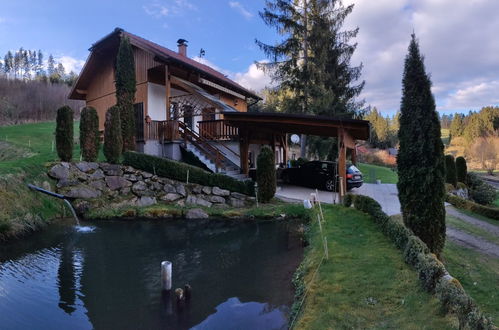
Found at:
[458, 39]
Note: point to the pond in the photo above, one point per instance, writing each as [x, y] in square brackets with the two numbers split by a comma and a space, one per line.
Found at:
[240, 274]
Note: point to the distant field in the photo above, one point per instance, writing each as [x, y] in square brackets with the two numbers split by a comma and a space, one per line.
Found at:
[373, 172]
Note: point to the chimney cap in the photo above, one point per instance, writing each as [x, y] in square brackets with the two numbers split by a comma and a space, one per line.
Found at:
[182, 42]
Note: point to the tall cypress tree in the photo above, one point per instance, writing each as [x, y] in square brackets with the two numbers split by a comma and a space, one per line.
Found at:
[64, 133]
[113, 143]
[420, 159]
[89, 134]
[125, 92]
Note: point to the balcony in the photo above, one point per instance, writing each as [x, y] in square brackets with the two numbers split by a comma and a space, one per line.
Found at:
[216, 130]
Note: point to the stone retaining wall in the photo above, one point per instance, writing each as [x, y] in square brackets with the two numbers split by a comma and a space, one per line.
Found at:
[131, 187]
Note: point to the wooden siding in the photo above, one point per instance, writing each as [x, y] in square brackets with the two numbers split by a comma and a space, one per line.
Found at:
[241, 105]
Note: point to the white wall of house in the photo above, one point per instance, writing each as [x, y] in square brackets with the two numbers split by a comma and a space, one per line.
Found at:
[156, 101]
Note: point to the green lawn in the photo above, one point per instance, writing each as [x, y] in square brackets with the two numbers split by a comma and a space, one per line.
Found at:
[479, 275]
[365, 283]
[471, 229]
[372, 172]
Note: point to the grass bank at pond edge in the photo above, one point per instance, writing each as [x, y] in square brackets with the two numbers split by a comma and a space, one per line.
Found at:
[365, 283]
[274, 210]
[371, 173]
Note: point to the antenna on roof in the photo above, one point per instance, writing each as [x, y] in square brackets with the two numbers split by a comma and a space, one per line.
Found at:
[202, 53]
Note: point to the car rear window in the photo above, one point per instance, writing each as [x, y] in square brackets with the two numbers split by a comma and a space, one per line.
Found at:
[353, 168]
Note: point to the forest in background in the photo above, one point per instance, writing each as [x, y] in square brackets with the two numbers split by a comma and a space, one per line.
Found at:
[32, 89]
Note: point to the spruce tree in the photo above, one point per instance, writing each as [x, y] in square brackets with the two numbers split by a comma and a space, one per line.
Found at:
[450, 170]
[89, 134]
[461, 169]
[64, 133]
[420, 159]
[113, 142]
[125, 92]
[266, 175]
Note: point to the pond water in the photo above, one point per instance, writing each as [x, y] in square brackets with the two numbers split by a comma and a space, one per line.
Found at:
[109, 278]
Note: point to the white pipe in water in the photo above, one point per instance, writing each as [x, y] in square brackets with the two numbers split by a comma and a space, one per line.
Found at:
[166, 275]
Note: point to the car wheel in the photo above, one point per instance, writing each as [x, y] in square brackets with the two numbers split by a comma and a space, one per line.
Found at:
[330, 185]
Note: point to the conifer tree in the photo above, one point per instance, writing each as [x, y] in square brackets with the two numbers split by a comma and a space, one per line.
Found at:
[420, 159]
[461, 169]
[113, 142]
[64, 133]
[450, 170]
[89, 134]
[266, 175]
[125, 92]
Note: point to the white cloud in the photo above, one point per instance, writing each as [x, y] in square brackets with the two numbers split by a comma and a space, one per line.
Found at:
[241, 9]
[458, 39]
[70, 63]
[159, 9]
[253, 78]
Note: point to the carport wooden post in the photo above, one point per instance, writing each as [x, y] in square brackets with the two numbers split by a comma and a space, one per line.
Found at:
[244, 150]
[354, 155]
[342, 163]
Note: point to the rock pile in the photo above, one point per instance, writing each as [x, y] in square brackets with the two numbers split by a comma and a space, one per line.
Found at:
[88, 181]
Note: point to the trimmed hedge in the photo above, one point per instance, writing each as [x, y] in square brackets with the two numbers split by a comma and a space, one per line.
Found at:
[461, 203]
[461, 169]
[178, 171]
[64, 133]
[450, 170]
[266, 175]
[89, 134]
[432, 274]
[113, 141]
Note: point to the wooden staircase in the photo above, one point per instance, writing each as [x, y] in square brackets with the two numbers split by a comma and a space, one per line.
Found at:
[210, 153]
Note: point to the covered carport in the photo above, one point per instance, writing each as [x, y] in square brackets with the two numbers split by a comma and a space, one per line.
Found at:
[272, 128]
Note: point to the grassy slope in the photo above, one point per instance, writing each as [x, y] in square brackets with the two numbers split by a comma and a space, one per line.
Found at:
[365, 283]
[479, 275]
[21, 209]
[373, 172]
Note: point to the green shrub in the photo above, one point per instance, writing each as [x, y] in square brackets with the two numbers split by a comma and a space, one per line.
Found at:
[430, 270]
[461, 185]
[449, 188]
[460, 203]
[480, 191]
[266, 175]
[178, 171]
[454, 299]
[89, 134]
[64, 133]
[461, 169]
[413, 248]
[348, 200]
[450, 170]
[113, 143]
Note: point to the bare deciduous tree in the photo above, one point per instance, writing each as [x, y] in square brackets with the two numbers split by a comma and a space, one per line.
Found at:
[485, 150]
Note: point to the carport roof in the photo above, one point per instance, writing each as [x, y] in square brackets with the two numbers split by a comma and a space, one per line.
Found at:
[298, 123]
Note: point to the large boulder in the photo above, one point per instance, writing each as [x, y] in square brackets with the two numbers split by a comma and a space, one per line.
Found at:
[180, 188]
[140, 188]
[59, 171]
[238, 195]
[235, 202]
[217, 199]
[83, 192]
[193, 200]
[206, 190]
[146, 201]
[111, 169]
[97, 175]
[171, 197]
[98, 184]
[86, 166]
[117, 182]
[196, 214]
[220, 192]
[169, 188]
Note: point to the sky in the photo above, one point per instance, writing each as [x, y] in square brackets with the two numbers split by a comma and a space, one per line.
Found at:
[459, 39]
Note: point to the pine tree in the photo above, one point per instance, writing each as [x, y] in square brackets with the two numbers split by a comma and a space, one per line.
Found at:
[461, 169]
[125, 92]
[420, 159]
[113, 141]
[50, 65]
[64, 133]
[40, 72]
[8, 62]
[457, 125]
[266, 175]
[89, 134]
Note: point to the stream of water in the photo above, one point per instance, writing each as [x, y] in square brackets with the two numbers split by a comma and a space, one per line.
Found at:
[109, 277]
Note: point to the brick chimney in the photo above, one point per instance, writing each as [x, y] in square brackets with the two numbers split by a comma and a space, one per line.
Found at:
[182, 47]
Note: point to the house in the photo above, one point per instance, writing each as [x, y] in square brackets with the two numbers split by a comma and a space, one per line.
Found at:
[183, 105]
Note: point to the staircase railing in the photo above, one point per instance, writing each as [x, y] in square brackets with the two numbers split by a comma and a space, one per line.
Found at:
[212, 138]
[209, 151]
[217, 129]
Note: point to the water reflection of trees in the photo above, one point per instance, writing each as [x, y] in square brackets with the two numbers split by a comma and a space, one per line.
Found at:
[121, 284]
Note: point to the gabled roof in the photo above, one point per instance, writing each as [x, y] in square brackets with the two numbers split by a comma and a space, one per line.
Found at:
[166, 55]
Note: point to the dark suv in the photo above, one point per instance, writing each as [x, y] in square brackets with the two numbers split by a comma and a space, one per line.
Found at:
[321, 175]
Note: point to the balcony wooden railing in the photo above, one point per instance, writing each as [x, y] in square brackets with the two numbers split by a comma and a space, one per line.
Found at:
[166, 130]
[217, 130]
